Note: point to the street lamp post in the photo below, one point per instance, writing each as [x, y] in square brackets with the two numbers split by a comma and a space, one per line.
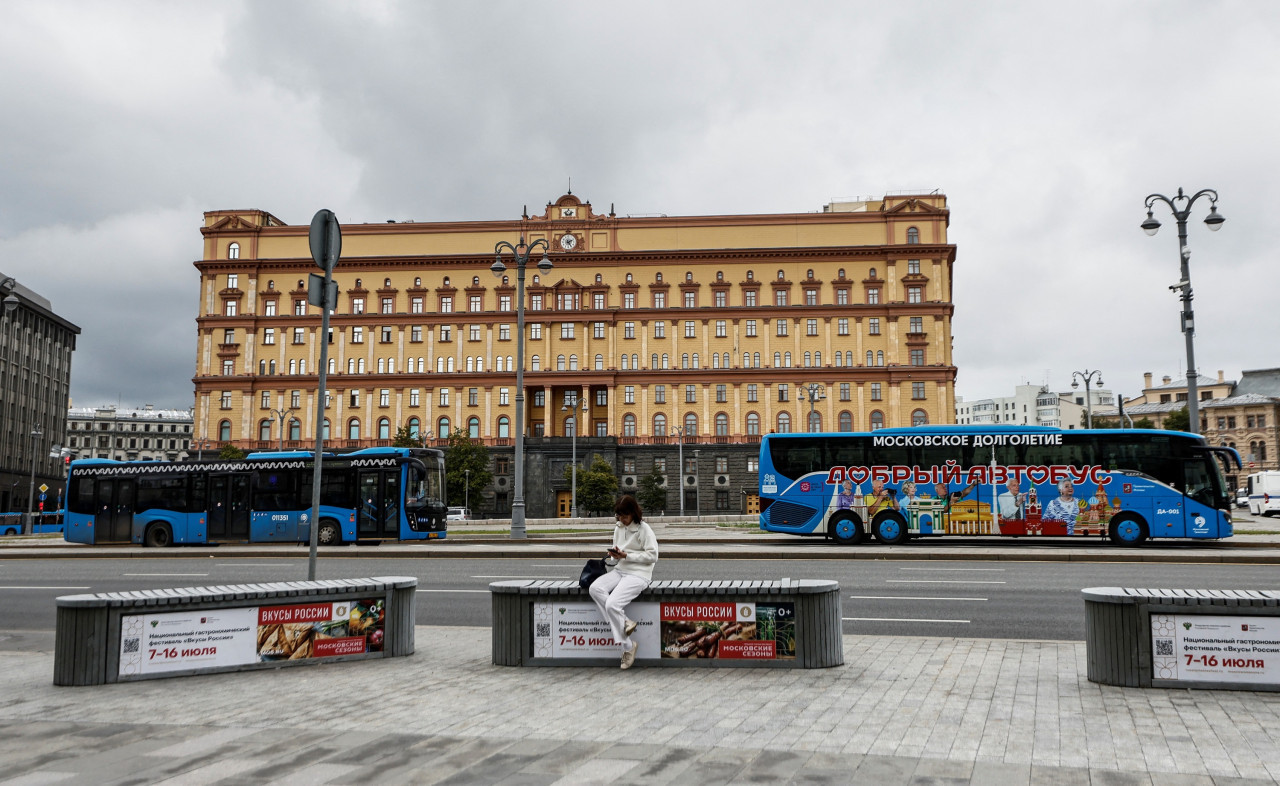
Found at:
[36, 433]
[697, 487]
[520, 252]
[10, 300]
[1088, 377]
[816, 393]
[578, 406]
[466, 491]
[281, 414]
[1181, 207]
[679, 430]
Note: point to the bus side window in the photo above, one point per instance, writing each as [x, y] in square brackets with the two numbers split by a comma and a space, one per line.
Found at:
[80, 498]
[196, 500]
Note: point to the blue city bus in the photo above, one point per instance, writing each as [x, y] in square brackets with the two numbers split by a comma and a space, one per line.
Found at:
[375, 494]
[1124, 484]
[41, 523]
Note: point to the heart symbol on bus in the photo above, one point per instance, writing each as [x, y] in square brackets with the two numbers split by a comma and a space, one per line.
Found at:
[1043, 472]
[858, 475]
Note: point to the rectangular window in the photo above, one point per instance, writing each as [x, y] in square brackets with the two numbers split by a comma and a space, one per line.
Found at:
[873, 296]
[811, 297]
[535, 332]
[660, 329]
[913, 294]
[269, 336]
[473, 332]
[229, 308]
[415, 396]
[229, 336]
[628, 330]
[628, 300]
[473, 397]
[384, 398]
[659, 394]
[504, 332]
[752, 392]
[629, 466]
[225, 400]
[689, 330]
[722, 328]
[228, 368]
[779, 297]
[842, 326]
[722, 298]
[271, 308]
[722, 464]
[917, 391]
[842, 297]
[660, 465]
[875, 391]
[659, 299]
[566, 330]
[357, 335]
[917, 324]
[749, 298]
[264, 401]
[388, 305]
[386, 334]
[535, 302]
[354, 398]
[444, 397]
[629, 394]
[811, 327]
[233, 281]
[844, 391]
[415, 334]
[597, 330]
[504, 302]
[473, 303]
[751, 328]
[913, 267]
[415, 305]
[873, 326]
[690, 299]
[295, 398]
[299, 335]
[504, 396]
[539, 398]
[783, 392]
[299, 308]
[690, 394]
[782, 327]
[446, 333]
[722, 394]
[597, 300]
[446, 304]
[917, 357]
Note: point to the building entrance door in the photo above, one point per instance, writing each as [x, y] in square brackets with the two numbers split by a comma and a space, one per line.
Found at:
[563, 508]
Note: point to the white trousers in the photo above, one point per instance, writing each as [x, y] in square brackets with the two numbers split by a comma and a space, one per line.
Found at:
[612, 592]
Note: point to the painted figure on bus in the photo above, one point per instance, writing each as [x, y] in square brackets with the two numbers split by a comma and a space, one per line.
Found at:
[1012, 502]
[909, 495]
[879, 499]
[844, 500]
[1065, 508]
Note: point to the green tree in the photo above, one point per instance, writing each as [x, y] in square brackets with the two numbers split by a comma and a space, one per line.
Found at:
[1143, 423]
[1178, 420]
[651, 495]
[462, 454]
[230, 452]
[405, 439]
[597, 486]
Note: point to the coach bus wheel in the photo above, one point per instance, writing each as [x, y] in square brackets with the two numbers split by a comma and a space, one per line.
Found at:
[846, 531]
[1128, 531]
[328, 534]
[158, 536]
[890, 529]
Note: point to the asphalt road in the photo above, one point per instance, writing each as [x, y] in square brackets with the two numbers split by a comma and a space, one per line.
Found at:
[1005, 600]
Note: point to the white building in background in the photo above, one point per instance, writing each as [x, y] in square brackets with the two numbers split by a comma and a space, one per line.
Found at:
[146, 434]
[1031, 405]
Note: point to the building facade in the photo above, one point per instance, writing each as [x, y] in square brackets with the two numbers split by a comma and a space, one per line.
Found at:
[1032, 405]
[700, 329]
[35, 384]
[127, 434]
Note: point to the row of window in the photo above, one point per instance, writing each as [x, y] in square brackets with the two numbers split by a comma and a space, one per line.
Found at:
[1251, 421]
[689, 427]
[105, 442]
[77, 425]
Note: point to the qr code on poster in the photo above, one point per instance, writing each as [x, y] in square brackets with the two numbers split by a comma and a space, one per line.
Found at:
[543, 630]
[1164, 646]
[131, 645]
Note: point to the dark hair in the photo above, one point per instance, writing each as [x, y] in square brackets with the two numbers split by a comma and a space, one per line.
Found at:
[629, 505]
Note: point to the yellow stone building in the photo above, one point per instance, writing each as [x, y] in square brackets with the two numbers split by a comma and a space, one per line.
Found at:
[701, 326]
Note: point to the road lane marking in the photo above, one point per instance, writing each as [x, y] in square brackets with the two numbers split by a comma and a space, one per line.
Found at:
[255, 564]
[33, 587]
[898, 619]
[164, 574]
[536, 578]
[905, 597]
[451, 590]
[991, 570]
[940, 581]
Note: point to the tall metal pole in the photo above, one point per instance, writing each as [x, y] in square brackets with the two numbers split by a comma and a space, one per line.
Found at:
[36, 433]
[521, 252]
[1214, 222]
[1088, 377]
[679, 430]
[326, 247]
[697, 487]
[282, 413]
[466, 491]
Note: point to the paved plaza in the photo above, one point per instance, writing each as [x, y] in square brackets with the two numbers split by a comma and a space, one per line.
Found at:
[901, 710]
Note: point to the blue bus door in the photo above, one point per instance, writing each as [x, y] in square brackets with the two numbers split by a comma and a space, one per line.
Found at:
[379, 515]
[113, 516]
[228, 507]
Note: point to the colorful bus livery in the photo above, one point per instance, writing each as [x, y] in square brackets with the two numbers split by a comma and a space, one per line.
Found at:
[1128, 485]
[369, 495]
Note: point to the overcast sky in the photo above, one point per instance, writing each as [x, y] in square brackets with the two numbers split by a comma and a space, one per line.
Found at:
[1046, 124]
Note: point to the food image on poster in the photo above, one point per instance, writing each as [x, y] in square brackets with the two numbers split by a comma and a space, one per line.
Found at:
[320, 630]
[728, 630]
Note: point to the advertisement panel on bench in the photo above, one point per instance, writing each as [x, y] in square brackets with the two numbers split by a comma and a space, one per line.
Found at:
[220, 638]
[1210, 648]
[575, 629]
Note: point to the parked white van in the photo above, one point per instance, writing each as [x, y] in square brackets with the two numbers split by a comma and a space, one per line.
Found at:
[1264, 493]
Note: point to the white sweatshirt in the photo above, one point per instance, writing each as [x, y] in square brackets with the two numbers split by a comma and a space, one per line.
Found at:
[641, 546]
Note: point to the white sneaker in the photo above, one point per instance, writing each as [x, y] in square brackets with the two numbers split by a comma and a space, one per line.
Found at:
[629, 628]
[629, 655]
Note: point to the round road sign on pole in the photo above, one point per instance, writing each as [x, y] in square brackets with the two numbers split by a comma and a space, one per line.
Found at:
[326, 240]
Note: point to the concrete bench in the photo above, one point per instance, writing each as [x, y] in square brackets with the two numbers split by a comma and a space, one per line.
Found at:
[775, 624]
[1182, 638]
[145, 634]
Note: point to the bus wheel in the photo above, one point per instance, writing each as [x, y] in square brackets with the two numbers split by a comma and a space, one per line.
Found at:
[158, 536]
[890, 529]
[1128, 531]
[328, 534]
[846, 531]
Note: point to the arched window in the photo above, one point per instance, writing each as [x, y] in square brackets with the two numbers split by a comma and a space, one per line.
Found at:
[479, 365]
[415, 428]
[448, 364]
[353, 428]
[722, 424]
[653, 360]
[600, 362]
[559, 362]
[746, 360]
[442, 428]
[439, 365]
[417, 281]
[382, 365]
[471, 364]
[325, 430]
[573, 362]
[808, 360]
[535, 364]
[919, 418]
[233, 251]
[295, 429]
[781, 275]
[715, 360]
[473, 427]
[504, 427]
[839, 355]
[755, 359]
[815, 422]
[391, 365]
[724, 359]
[871, 358]
[777, 360]
[684, 360]
[626, 363]
[871, 273]
[784, 423]
[817, 358]
[262, 368]
[809, 274]
[690, 424]
[877, 420]
[511, 366]
[628, 425]
[753, 424]
[846, 421]
[224, 431]
[840, 273]
[659, 425]
[786, 360]
[696, 364]
[271, 367]
[293, 367]
[664, 360]
[384, 428]
[302, 369]
[264, 430]
[913, 235]
[879, 357]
